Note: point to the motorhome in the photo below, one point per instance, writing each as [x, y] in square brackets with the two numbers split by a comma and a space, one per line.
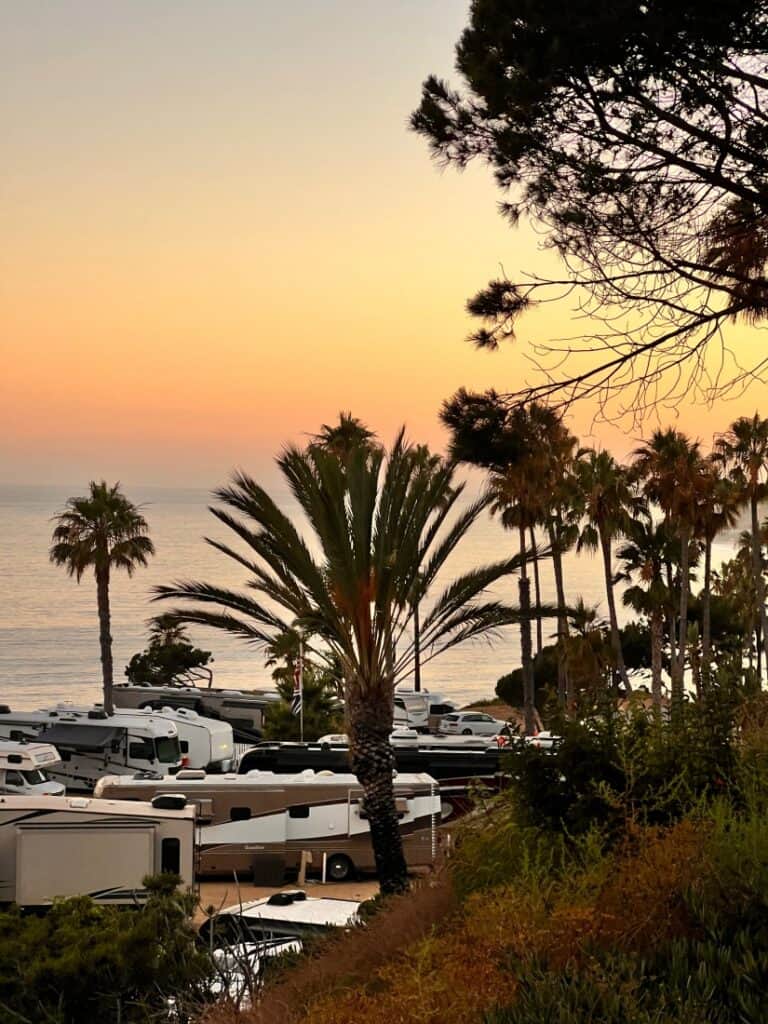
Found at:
[244, 710]
[263, 822]
[24, 769]
[54, 846]
[204, 742]
[92, 744]
[460, 770]
[420, 709]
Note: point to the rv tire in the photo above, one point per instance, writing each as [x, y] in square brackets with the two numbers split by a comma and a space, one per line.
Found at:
[466, 732]
[339, 868]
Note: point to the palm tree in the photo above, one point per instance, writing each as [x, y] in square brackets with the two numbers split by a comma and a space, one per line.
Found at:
[718, 511]
[744, 451]
[673, 474]
[102, 531]
[382, 527]
[644, 556]
[610, 505]
[344, 437]
[485, 432]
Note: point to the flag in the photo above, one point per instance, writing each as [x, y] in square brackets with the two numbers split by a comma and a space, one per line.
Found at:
[298, 688]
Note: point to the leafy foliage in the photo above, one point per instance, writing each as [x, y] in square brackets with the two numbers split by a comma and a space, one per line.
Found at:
[81, 963]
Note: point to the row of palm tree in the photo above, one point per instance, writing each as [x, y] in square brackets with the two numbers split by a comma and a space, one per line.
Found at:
[668, 505]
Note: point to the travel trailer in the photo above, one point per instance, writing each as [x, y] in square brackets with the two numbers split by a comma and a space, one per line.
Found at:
[54, 846]
[243, 710]
[262, 822]
[24, 769]
[91, 744]
[204, 742]
[283, 915]
[459, 769]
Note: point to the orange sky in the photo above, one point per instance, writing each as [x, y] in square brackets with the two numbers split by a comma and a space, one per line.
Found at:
[217, 232]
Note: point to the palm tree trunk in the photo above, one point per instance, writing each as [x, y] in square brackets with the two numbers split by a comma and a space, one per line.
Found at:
[536, 590]
[564, 687]
[678, 675]
[618, 654]
[706, 615]
[105, 637]
[757, 571]
[372, 759]
[657, 637]
[671, 624]
[526, 642]
[416, 648]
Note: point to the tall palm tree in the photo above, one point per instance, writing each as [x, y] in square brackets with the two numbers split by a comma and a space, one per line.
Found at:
[381, 528]
[643, 557]
[744, 451]
[101, 531]
[485, 432]
[673, 473]
[610, 505]
[718, 511]
[344, 437]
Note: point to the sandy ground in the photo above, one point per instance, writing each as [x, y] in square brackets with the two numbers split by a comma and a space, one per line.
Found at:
[225, 894]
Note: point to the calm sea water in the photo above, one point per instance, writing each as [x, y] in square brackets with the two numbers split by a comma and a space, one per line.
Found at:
[48, 626]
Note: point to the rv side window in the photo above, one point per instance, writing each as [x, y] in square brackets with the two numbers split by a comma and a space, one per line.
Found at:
[240, 814]
[184, 746]
[141, 750]
[299, 811]
[17, 735]
[170, 856]
[13, 779]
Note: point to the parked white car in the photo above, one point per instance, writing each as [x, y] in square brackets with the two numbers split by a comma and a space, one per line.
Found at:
[470, 723]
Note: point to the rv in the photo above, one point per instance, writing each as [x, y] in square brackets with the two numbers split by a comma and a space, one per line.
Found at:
[460, 770]
[24, 769]
[262, 822]
[243, 710]
[91, 744]
[420, 709]
[204, 742]
[54, 846]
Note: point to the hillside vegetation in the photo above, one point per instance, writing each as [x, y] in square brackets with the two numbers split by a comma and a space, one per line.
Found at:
[623, 880]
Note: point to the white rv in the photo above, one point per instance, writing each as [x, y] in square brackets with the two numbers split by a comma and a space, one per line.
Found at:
[420, 709]
[91, 744]
[243, 709]
[24, 769]
[55, 846]
[204, 742]
[262, 822]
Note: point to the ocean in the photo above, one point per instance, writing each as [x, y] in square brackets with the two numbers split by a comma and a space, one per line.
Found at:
[49, 649]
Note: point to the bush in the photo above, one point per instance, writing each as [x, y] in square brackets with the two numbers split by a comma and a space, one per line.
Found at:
[80, 963]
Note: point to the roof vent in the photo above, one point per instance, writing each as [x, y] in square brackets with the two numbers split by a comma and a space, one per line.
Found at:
[97, 713]
[4, 709]
[285, 899]
[190, 773]
[169, 802]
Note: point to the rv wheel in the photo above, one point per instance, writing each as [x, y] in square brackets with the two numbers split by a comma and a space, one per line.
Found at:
[466, 732]
[339, 868]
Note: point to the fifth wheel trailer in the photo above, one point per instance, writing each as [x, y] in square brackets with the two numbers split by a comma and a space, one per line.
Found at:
[52, 847]
[261, 823]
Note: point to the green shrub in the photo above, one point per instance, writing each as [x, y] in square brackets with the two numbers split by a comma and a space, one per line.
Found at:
[81, 963]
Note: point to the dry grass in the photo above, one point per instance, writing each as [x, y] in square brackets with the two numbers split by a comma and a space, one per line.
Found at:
[345, 962]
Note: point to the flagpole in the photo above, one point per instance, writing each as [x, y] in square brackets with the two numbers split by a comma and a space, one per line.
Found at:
[301, 690]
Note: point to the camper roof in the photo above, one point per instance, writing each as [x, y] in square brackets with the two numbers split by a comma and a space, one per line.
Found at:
[197, 779]
[133, 810]
[300, 909]
[26, 756]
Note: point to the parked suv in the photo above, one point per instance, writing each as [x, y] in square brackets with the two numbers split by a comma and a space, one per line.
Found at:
[470, 723]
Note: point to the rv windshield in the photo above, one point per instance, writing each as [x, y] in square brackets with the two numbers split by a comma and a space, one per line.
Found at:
[168, 750]
[35, 776]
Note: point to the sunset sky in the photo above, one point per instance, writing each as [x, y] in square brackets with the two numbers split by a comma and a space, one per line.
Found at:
[217, 232]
